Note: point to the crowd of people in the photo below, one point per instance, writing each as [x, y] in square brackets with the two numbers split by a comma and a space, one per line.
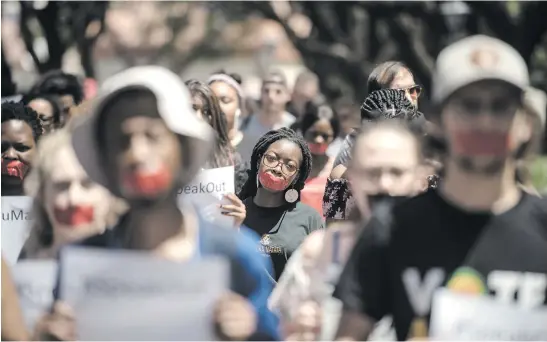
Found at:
[347, 217]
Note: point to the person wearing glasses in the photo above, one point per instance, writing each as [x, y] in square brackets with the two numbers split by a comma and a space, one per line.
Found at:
[319, 126]
[280, 165]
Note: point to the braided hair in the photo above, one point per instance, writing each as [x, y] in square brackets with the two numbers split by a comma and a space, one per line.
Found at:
[390, 103]
[18, 111]
[250, 187]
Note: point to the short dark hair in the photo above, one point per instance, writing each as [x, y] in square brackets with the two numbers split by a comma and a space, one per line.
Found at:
[383, 75]
[18, 111]
[52, 99]
[59, 83]
[314, 112]
[250, 187]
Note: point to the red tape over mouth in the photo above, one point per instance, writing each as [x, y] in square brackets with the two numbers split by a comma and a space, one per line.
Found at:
[272, 182]
[318, 149]
[15, 168]
[477, 143]
[144, 183]
[74, 215]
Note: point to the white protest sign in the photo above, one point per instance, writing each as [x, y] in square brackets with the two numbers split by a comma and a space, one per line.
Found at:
[16, 225]
[35, 281]
[464, 317]
[206, 192]
[126, 295]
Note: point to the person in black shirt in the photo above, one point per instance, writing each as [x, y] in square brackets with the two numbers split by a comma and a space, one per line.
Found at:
[478, 233]
[280, 164]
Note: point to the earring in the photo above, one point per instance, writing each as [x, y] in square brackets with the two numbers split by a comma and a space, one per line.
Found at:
[291, 195]
[257, 183]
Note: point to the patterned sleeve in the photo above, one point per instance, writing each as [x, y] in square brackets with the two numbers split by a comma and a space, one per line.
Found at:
[336, 196]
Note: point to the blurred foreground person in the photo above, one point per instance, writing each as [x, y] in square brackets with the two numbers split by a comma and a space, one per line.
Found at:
[280, 165]
[66, 86]
[272, 114]
[319, 126]
[228, 90]
[479, 233]
[68, 205]
[13, 324]
[49, 109]
[21, 129]
[143, 142]
[386, 159]
[386, 104]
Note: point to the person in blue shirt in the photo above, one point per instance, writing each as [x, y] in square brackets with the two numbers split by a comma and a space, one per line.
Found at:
[143, 142]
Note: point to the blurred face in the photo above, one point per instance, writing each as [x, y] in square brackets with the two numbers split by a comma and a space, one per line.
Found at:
[45, 110]
[228, 99]
[274, 97]
[386, 161]
[304, 92]
[201, 108]
[405, 81]
[482, 127]
[143, 155]
[319, 136]
[76, 207]
[279, 165]
[18, 150]
[349, 119]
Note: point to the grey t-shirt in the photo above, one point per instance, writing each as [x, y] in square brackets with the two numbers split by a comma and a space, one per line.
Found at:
[254, 130]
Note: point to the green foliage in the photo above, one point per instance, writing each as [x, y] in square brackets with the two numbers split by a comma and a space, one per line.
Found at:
[538, 170]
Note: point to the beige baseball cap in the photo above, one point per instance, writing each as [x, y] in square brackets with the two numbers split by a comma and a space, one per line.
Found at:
[535, 100]
[477, 58]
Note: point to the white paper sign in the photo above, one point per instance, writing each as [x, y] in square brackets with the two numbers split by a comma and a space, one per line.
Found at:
[206, 193]
[464, 317]
[126, 295]
[35, 281]
[16, 225]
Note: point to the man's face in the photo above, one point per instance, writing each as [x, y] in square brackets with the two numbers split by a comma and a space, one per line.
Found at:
[274, 97]
[305, 91]
[482, 127]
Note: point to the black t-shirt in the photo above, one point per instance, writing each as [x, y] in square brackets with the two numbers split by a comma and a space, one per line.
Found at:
[424, 243]
[282, 229]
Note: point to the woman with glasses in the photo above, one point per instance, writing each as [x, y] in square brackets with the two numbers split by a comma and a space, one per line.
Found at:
[319, 126]
[280, 165]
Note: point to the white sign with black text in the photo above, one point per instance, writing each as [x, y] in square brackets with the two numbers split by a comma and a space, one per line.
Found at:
[127, 295]
[35, 281]
[16, 225]
[206, 192]
[465, 317]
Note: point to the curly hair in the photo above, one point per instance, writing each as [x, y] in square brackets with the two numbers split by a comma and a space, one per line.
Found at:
[389, 103]
[52, 99]
[18, 111]
[59, 83]
[250, 187]
[214, 116]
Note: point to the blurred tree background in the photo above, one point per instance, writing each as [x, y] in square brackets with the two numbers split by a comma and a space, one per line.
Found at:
[341, 41]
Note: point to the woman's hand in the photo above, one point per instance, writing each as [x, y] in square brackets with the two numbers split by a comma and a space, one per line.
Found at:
[235, 318]
[236, 209]
[58, 325]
